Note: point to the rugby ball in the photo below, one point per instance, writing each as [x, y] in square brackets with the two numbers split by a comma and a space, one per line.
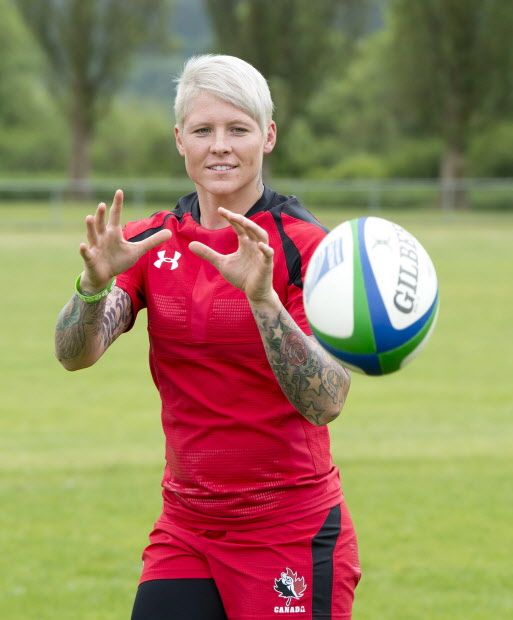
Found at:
[371, 295]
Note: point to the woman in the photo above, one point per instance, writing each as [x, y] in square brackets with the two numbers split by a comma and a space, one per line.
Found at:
[253, 523]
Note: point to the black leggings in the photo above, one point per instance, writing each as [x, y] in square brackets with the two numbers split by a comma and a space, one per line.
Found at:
[178, 599]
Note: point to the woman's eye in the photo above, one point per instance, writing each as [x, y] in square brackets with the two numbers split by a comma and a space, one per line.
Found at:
[202, 131]
[239, 130]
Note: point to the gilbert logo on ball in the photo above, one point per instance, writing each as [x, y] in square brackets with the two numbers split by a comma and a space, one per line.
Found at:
[371, 295]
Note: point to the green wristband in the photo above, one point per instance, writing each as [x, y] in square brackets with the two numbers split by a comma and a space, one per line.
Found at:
[91, 299]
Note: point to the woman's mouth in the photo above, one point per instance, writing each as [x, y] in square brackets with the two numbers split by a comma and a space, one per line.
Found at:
[221, 168]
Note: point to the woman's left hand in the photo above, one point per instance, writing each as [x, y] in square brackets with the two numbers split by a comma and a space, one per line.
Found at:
[250, 268]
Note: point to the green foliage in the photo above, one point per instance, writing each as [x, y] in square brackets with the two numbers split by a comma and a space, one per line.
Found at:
[33, 151]
[88, 45]
[451, 62]
[136, 139]
[354, 97]
[347, 123]
[302, 151]
[18, 67]
[491, 151]
[447, 64]
[414, 158]
[31, 130]
[357, 166]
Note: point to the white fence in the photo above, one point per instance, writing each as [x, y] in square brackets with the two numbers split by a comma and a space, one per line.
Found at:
[52, 200]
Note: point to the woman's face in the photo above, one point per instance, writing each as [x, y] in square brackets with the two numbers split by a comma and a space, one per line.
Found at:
[223, 147]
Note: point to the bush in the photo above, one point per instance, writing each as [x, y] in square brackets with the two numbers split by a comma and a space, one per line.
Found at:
[136, 139]
[359, 166]
[32, 151]
[491, 152]
[415, 159]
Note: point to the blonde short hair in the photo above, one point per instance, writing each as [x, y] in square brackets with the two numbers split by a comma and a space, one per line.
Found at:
[231, 79]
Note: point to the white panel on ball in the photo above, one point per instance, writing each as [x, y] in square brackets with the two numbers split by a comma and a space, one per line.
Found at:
[332, 269]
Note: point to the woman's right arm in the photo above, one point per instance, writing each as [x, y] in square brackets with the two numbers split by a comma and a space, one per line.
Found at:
[85, 330]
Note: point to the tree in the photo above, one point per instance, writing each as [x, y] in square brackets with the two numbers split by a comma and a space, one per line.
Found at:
[346, 118]
[30, 127]
[88, 45]
[16, 61]
[294, 43]
[451, 62]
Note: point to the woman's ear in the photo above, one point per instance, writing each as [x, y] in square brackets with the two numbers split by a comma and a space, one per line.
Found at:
[178, 140]
[270, 140]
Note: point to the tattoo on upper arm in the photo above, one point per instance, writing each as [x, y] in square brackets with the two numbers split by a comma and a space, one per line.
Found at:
[312, 381]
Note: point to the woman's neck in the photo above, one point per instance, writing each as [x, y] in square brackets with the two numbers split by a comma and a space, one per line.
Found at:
[238, 203]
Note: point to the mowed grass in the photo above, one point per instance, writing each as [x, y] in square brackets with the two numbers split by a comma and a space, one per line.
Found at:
[426, 454]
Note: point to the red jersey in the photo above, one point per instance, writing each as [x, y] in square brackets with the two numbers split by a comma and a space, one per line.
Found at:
[237, 451]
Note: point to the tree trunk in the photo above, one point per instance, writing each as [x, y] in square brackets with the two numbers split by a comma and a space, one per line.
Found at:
[453, 193]
[80, 158]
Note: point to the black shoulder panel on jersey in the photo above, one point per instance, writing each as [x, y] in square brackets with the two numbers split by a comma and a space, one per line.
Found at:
[292, 255]
[150, 231]
[267, 201]
[188, 204]
[293, 208]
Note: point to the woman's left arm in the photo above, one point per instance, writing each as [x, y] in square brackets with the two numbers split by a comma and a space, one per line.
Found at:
[314, 382]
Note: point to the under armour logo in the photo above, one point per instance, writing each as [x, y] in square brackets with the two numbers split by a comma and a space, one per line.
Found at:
[166, 259]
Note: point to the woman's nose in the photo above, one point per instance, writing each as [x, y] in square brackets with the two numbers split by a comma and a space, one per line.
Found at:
[220, 144]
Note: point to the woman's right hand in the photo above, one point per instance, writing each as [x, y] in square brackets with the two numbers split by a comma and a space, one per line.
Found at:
[107, 252]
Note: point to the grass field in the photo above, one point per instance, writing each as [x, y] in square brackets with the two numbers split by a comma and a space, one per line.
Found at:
[426, 454]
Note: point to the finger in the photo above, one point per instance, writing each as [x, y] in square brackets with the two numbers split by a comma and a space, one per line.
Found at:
[233, 220]
[237, 228]
[255, 232]
[267, 250]
[156, 239]
[91, 230]
[116, 208]
[241, 223]
[99, 218]
[84, 251]
[208, 254]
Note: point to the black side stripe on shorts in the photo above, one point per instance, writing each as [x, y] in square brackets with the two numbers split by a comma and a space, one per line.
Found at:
[323, 546]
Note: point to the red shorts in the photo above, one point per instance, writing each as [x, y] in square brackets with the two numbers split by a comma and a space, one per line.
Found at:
[307, 567]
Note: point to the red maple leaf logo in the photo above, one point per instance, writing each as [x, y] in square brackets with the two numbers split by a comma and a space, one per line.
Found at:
[290, 586]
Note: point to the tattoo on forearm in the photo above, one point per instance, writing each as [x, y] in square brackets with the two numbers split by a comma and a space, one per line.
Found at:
[75, 323]
[116, 316]
[81, 326]
[313, 382]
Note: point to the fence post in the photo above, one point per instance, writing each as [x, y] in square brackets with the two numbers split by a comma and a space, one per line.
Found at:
[139, 199]
[374, 202]
[56, 206]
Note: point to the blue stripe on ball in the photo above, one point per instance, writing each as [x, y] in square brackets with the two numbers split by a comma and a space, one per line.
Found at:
[369, 363]
[385, 334]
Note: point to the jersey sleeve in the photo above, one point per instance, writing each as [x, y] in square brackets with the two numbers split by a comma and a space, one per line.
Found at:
[132, 280]
[305, 237]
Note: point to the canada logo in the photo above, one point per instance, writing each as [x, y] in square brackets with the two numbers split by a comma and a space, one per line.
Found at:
[290, 586]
